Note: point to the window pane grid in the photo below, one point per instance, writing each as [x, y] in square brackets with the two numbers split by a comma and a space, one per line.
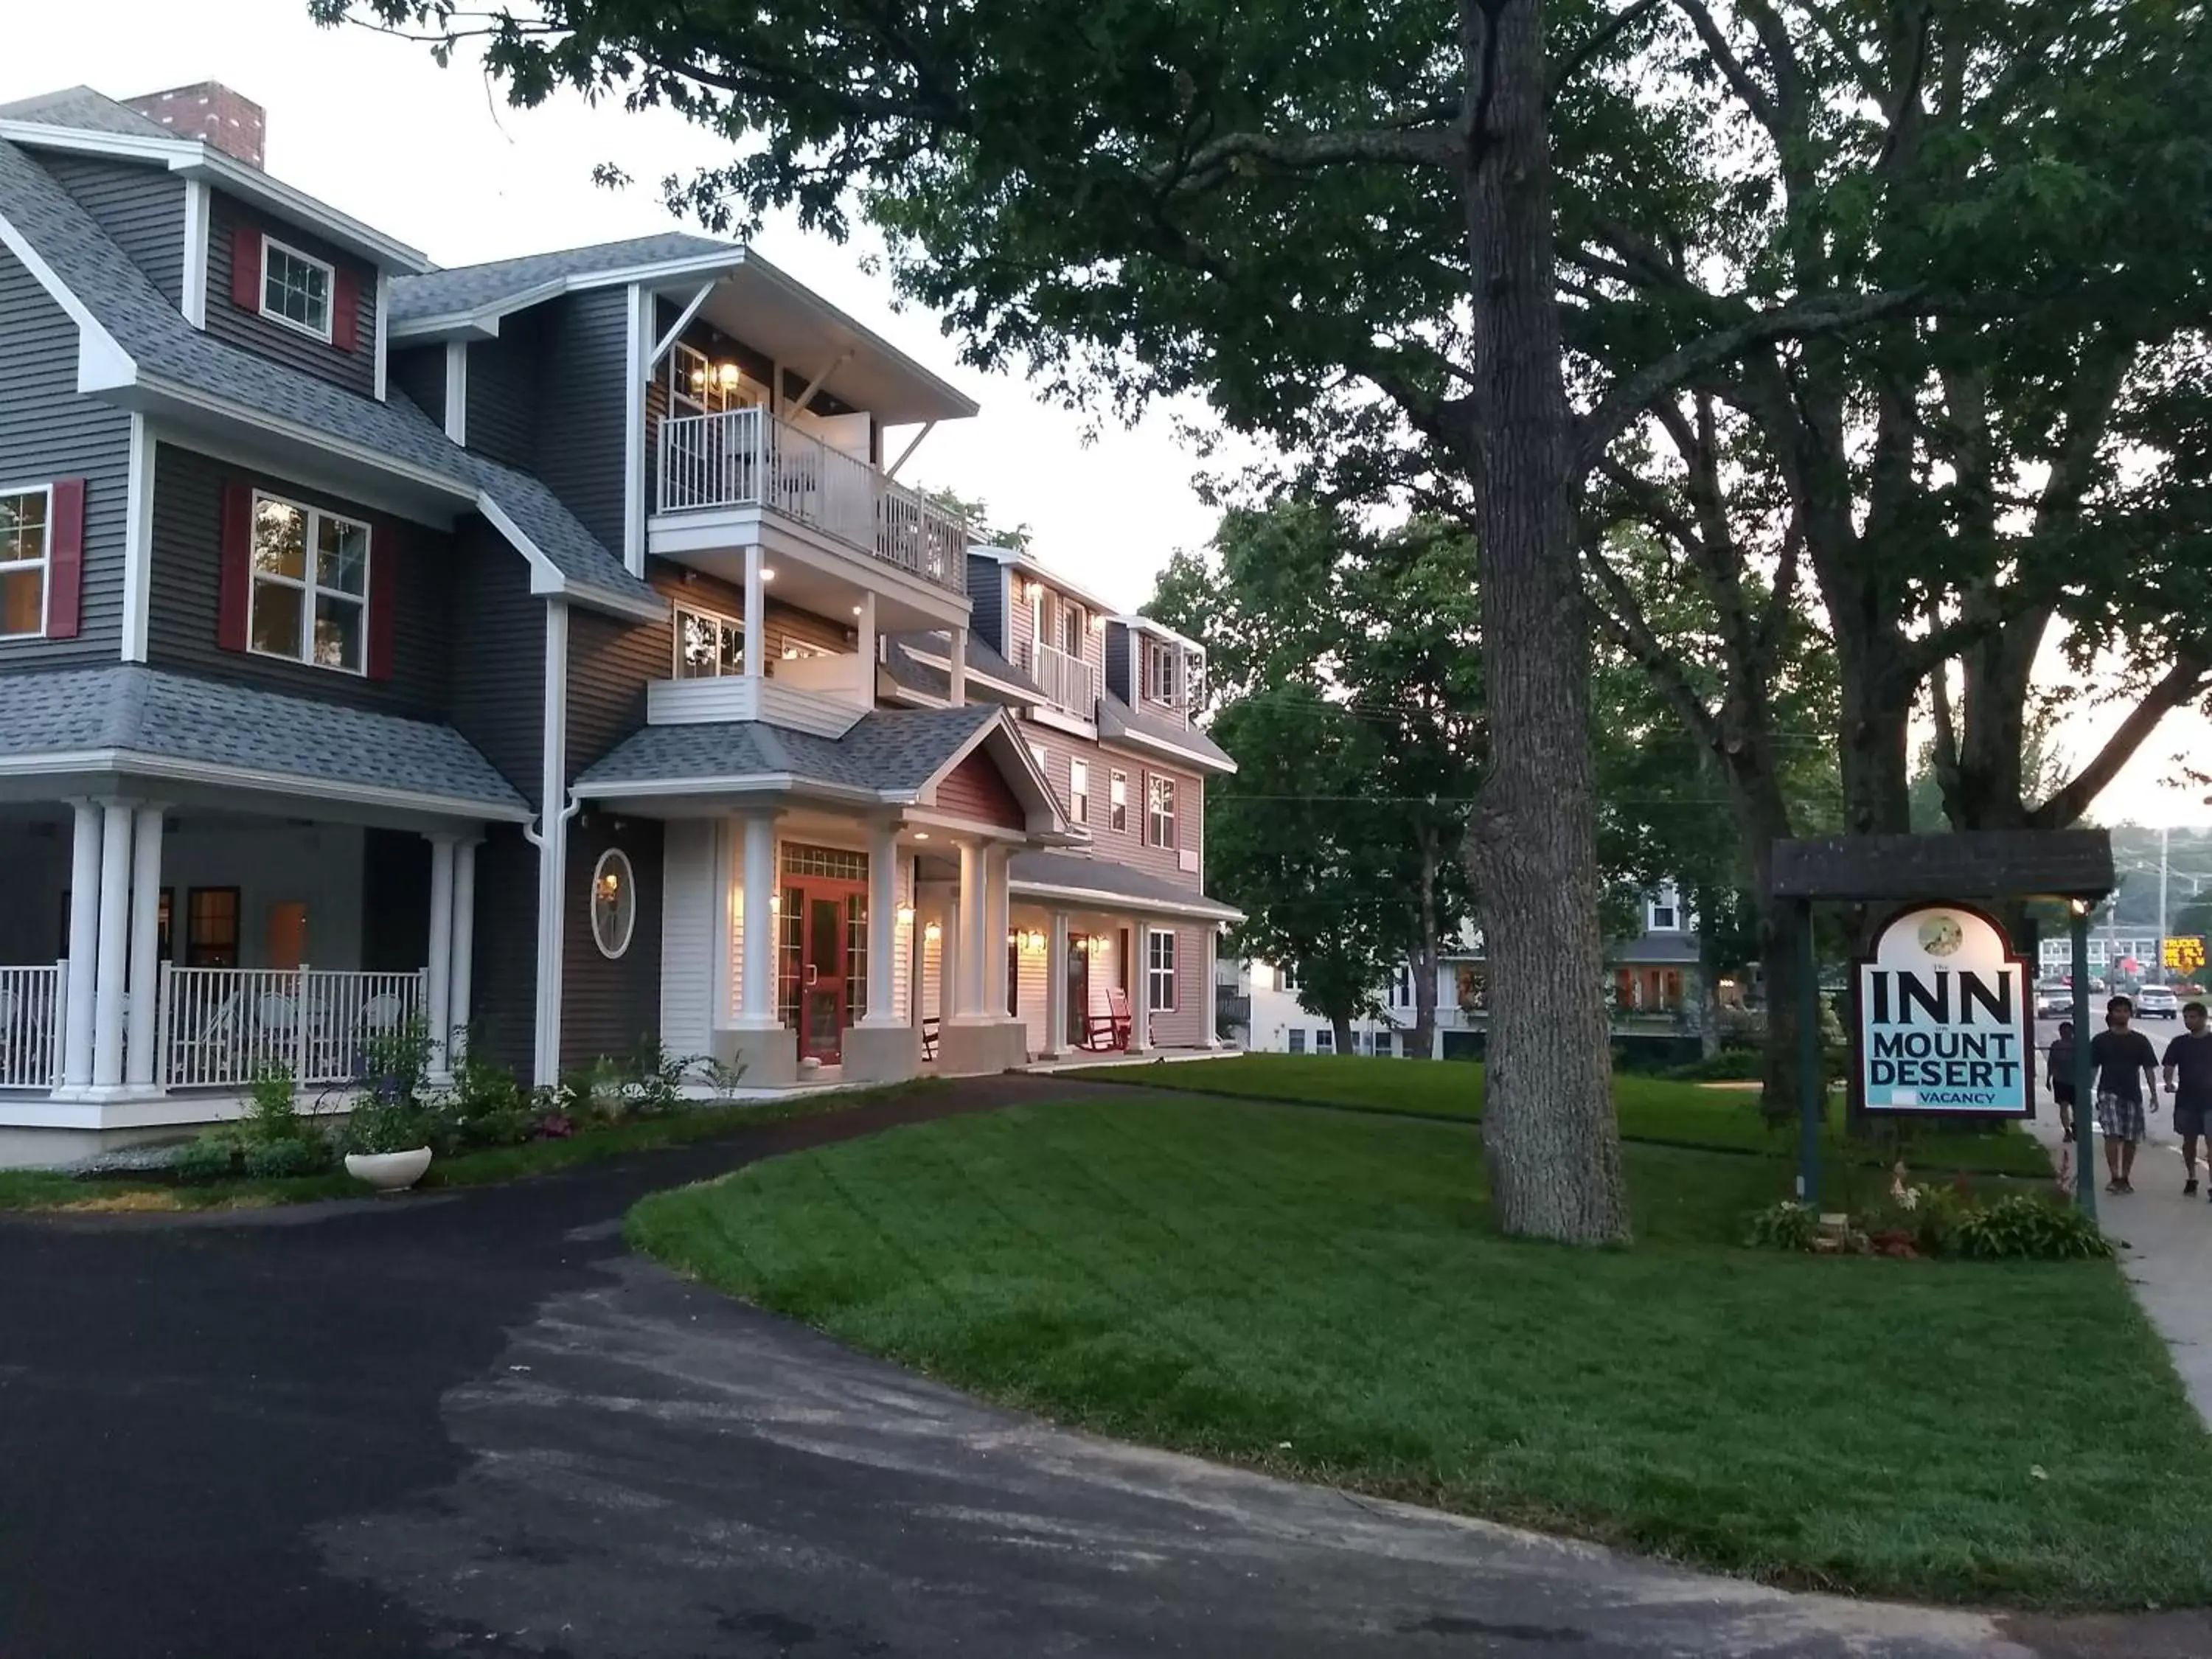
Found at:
[707, 645]
[1160, 972]
[313, 611]
[23, 563]
[296, 290]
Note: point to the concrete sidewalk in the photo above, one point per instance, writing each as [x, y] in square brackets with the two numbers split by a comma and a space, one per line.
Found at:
[2164, 1240]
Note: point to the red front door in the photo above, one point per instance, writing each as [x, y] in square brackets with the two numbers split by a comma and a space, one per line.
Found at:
[818, 920]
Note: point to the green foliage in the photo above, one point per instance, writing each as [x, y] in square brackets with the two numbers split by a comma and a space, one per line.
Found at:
[272, 1112]
[379, 1125]
[215, 1155]
[287, 1156]
[2025, 1226]
[395, 1064]
[1788, 1226]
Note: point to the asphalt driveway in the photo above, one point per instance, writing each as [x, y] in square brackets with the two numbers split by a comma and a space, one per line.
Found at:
[473, 1425]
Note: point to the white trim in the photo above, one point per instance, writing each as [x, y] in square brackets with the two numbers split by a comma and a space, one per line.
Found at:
[246, 415]
[172, 768]
[551, 839]
[676, 329]
[1190, 758]
[198, 161]
[1159, 630]
[138, 540]
[600, 871]
[383, 336]
[101, 361]
[639, 359]
[547, 581]
[1174, 970]
[974, 675]
[1097, 898]
[457, 392]
[730, 783]
[1017, 562]
[330, 290]
[45, 563]
[194, 303]
[308, 585]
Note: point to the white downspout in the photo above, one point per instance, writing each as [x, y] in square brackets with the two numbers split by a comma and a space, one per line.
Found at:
[551, 838]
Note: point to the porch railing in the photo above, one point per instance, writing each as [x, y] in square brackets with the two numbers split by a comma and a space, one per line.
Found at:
[1069, 683]
[31, 1026]
[750, 457]
[221, 1027]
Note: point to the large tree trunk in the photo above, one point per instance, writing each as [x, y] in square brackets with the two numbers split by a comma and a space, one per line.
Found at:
[1341, 1023]
[1877, 692]
[1423, 1044]
[1554, 1148]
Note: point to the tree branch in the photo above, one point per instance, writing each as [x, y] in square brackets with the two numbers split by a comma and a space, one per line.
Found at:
[1597, 40]
[2189, 678]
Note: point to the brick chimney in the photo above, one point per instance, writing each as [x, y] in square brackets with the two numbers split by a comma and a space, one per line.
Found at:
[212, 111]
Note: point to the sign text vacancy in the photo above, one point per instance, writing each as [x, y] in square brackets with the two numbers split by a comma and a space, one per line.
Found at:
[1945, 1017]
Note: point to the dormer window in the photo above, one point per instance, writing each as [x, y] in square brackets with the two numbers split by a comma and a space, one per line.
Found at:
[295, 288]
[1663, 912]
[1160, 672]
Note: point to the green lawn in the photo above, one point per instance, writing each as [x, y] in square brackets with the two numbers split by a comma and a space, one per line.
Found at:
[1654, 1110]
[41, 1189]
[1319, 1293]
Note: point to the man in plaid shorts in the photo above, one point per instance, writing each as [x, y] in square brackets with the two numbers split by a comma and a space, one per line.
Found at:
[2126, 1065]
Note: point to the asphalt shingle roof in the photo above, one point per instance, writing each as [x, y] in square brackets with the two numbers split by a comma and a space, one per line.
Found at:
[167, 348]
[1117, 719]
[1096, 875]
[145, 711]
[472, 287]
[915, 675]
[86, 111]
[891, 749]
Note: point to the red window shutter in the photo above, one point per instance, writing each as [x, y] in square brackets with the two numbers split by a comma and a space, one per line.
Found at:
[345, 310]
[246, 268]
[65, 546]
[234, 573]
[383, 578]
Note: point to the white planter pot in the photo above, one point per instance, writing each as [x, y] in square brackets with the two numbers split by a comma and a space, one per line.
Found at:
[388, 1172]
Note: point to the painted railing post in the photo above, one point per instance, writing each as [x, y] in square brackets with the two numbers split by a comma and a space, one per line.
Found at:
[164, 1025]
[300, 1021]
[54, 1023]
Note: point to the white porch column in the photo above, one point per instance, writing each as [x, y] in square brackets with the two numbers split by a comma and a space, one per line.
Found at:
[955, 662]
[83, 946]
[999, 923]
[142, 1022]
[756, 613]
[1056, 983]
[948, 961]
[460, 983]
[883, 925]
[437, 992]
[1210, 1007]
[114, 943]
[1141, 986]
[975, 931]
[865, 625]
[756, 994]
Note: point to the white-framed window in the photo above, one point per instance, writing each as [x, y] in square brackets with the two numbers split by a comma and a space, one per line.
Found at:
[26, 552]
[1286, 976]
[795, 649]
[1038, 754]
[614, 902]
[1159, 810]
[708, 644]
[1070, 621]
[1385, 1044]
[1078, 791]
[1160, 970]
[1401, 987]
[1117, 801]
[1663, 914]
[1160, 672]
[697, 385]
[1298, 1039]
[310, 585]
[296, 288]
[1324, 1040]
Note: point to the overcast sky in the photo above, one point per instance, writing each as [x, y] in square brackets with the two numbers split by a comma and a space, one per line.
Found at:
[373, 127]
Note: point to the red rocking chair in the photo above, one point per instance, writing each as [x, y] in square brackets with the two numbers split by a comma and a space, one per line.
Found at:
[1109, 1033]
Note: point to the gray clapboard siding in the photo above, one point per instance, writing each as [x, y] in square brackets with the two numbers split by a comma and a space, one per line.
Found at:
[610, 664]
[49, 430]
[354, 370]
[182, 621]
[504, 390]
[140, 205]
[503, 976]
[581, 434]
[1117, 663]
[499, 676]
[988, 581]
[420, 373]
[609, 1005]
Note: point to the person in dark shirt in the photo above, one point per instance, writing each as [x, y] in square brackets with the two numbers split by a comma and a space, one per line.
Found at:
[2126, 1065]
[2188, 1080]
[2060, 1077]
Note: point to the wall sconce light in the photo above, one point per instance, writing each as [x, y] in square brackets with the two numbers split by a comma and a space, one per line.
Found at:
[1098, 941]
[1013, 939]
[727, 373]
[932, 932]
[1034, 942]
[699, 379]
[921, 834]
[768, 572]
[774, 903]
[906, 916]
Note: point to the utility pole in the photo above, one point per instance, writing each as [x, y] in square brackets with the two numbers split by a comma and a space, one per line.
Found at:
[2163, 832]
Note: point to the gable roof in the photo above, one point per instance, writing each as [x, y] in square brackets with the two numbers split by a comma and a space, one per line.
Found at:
[904, 660]
[1116, 720]
[83, 110]
[132, 719]
[162, 353]
[498, 285]
[1072, 875]
[889, 752]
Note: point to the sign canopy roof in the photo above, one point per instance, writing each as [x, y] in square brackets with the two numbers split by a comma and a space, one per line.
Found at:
[1977, 864]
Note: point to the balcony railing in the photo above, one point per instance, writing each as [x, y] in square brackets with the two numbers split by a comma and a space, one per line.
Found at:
[31, 1026]
[222, 1027]
[749, 458]
[1069, 683]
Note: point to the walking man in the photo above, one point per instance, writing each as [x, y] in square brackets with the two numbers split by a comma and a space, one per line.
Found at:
[2188, 1080]
[2060, 1077]
[2126, 1065]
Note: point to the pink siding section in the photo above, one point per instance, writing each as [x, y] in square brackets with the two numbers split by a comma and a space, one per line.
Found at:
[1127, 846]
[1021, 627]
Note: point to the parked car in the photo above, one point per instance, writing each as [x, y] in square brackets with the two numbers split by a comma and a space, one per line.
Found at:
[2158, 1002]
[2054, 1003]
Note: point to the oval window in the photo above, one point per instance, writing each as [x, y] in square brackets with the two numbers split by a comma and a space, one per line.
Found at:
[614, 902]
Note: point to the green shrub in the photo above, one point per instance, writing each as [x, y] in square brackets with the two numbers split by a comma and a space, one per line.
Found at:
[213, 1156]
[277, 1160]
[2026, 1227]
[386, 1125]
[487, 1106]
[271, 1109]
[1730, 1065]
[1788, 1226]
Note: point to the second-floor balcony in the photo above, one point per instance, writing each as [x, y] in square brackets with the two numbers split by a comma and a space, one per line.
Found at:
[1069, 683]
[744, 458]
